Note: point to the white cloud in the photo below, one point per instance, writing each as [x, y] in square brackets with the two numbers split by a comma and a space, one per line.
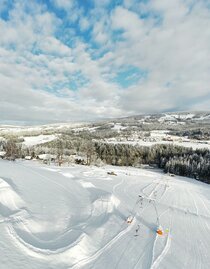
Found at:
[101, 3]
[51, 45]
[127, 20]
[175, 53]
[38, 70]
[66, 4]
[84, 23]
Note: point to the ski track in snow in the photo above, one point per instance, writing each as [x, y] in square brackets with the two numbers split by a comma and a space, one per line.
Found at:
[97, 235]
[156, 261]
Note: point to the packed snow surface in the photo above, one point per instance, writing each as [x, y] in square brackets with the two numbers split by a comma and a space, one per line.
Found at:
[77, 217]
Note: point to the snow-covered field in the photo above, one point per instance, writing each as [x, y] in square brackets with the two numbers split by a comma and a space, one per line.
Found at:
[39, 139]
[192, 144]
[75, 217]
[13, 129]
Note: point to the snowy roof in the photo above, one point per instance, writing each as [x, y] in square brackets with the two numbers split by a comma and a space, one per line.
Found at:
[46, 156]
[2, 153]
[27, 157]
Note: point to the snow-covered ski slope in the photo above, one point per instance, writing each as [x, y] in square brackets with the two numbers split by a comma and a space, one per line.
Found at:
[75, 217]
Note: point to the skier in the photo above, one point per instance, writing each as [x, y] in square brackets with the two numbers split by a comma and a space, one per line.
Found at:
[129, 219]
[155, 194]
[141, 203]
[137, 230]
[159, 231]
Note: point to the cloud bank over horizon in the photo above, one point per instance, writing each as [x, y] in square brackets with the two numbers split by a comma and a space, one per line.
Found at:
[66, 60]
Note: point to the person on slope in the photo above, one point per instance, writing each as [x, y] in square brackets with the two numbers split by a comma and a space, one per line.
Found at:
[137, 230]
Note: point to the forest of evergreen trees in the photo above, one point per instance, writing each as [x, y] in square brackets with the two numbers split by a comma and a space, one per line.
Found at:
[173, 159]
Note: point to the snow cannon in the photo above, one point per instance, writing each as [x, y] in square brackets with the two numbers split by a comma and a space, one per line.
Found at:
[159, 231]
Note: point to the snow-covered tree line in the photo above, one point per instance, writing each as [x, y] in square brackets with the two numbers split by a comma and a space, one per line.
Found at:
[173, 159]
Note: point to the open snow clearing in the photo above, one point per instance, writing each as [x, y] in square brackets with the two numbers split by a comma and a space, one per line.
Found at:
[88, 217]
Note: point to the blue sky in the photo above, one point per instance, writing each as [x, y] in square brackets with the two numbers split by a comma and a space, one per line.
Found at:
[65, 60]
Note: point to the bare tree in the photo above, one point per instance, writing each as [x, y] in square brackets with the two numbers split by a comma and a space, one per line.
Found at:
[60, 149]
[12, 149]
[89, 150]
